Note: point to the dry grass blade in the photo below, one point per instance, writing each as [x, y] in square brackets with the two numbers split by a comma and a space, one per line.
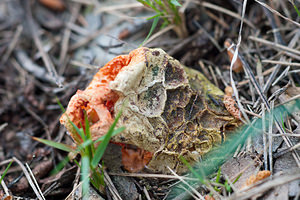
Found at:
[282, 75]
[234, 59]
[264, 137]
[281, 62]
[12, 44]
[35, 182]
[2, 126]
[111, 186]
[187, 184]
[270, 138]
[92, 36]
[164, 176]
[275, 46]
[27, 175]
[225, 11]
[268, 107]
[184, 42]
[119, 7]
[215, 43]
[85, 2]
[5, 188]
[268, 71]
[67, 33]
[159, 33]
[146, 193]
[291, 44]
[76, 185]
[45, 57]
[277, 13]
[291, 99]
[26, 63]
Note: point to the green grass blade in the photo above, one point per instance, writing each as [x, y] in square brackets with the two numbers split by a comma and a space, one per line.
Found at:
[85, 144]
[239, 176]
[175, 3]
[154, 24]
[196, 174]
[80, 131]
[83, 147]
[60, 166]
[90, 148]
[60, 105]
[298, 12]
[227, 186]
[157, 15]
[145, 3]
[5, 171]
[115, 132]
[87, 126]
[218, 175]
[85, 170]
[77, 163]
[82, 137]
[101, 148]
[56, 145]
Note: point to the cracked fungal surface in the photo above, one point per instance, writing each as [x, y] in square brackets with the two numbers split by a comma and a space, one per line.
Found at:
[171, 111]
[168, 109]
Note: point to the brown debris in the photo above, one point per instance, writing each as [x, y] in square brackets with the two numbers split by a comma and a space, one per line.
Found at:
[230, 103]
[124, 34]
[237, 66]
[134, 160]
[258, 177]
[8, 197]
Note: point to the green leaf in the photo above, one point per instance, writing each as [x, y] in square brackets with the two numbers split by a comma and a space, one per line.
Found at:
[116, 132]
[5, 171]
[56, 145]
[154, 24]
[101, 148]
[175, 3]
[85, 170]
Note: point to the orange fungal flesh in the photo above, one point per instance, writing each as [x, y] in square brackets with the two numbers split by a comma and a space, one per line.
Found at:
[97, 100]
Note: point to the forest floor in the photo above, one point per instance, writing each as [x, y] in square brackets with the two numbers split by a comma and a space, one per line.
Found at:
[50, 50]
